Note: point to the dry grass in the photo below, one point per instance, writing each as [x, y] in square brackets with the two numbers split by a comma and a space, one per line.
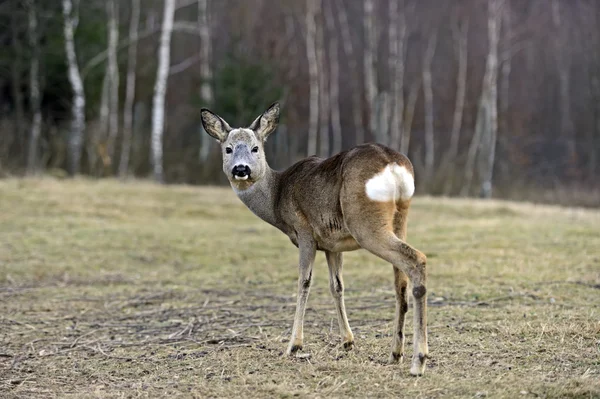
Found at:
[112, 290]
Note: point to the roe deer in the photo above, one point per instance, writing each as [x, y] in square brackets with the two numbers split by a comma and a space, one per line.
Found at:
[356, 199]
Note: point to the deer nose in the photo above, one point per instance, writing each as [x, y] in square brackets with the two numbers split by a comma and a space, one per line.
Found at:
[241, 171]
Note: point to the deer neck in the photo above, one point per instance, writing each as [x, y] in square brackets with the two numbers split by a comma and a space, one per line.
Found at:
[260, 197]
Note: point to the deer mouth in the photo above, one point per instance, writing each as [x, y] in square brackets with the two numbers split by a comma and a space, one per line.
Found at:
[238, 177]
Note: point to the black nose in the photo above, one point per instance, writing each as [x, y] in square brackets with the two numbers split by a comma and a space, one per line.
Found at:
[241, 170]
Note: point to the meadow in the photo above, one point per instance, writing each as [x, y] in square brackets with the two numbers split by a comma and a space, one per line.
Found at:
[140, 290]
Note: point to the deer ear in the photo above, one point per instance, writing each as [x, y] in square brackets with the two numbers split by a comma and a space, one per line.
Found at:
[267, 122]
[214, 125]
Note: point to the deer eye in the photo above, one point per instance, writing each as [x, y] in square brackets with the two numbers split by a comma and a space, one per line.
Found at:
[228, 150]
[255, 149]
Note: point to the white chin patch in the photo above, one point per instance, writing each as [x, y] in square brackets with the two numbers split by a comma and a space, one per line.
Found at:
[393, 183]
[241, 177]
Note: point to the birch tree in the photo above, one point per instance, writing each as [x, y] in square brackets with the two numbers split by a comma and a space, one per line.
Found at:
[486, 126]
[34, 88]
[397, 40]
[312, 6]
[160, 90]
[334, 80]
[113, 78]
[78, 101]
[409, 115]
[324, 105]
[369, 59]
[354, 83]
[429, 111]
[563, 64]
[460, 33]
[206, 93]
[134, 23]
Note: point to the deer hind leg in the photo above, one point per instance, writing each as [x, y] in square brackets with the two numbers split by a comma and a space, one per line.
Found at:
[401, 289]
[336, 286]
[307, 259]
[374, 232]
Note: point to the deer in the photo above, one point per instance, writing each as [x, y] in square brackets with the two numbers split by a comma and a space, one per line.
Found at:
[358, 198]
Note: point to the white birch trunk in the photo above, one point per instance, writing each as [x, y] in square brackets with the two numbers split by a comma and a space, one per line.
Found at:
[474, 147]
[113, 73]
[370, 74]
[160, 90]
[206, 92]
[429, 111]
[34, 89]
[354, 83]
[491, 131]
[563, 63]
[313, 72]
[334, 80]
[78, 102]
[409, 115]
[397, 40]
[324, 105]
[461, 38]
[134, 24]
[486, 127]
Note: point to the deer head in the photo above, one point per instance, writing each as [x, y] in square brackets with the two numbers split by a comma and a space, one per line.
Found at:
[244, 160]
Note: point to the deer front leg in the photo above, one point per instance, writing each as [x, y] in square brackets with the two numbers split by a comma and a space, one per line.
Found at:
[307, 258]
[336, 286]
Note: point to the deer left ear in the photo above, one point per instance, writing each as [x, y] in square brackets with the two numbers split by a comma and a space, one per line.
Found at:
[266, 123]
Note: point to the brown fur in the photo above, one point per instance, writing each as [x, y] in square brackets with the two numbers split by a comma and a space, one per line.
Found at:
[321, 204]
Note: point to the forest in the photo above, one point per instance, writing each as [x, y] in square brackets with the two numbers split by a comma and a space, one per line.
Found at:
[489, 98]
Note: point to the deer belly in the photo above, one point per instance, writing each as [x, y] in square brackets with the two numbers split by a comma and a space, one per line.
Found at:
[342, 245]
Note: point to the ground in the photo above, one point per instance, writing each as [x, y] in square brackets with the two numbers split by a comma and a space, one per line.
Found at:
[125, 290]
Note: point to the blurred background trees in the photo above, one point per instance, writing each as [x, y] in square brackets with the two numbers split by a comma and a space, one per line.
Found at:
[487, 97]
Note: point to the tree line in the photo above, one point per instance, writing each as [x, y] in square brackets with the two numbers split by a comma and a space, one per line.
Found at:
[485, 96]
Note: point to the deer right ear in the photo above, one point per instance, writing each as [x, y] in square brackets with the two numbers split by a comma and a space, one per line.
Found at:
[214, 125]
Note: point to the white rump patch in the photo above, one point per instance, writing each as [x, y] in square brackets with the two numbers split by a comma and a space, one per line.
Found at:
[393, 183]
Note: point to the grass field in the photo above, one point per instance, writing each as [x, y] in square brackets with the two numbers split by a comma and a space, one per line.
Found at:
[114, 290]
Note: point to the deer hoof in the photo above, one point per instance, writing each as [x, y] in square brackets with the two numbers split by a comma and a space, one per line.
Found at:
[348, 345]
[418, 365]
[396, 358]
[293, 348]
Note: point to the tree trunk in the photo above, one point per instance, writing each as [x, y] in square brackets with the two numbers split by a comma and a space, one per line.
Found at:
[461, 38]
[397, 40]
[473, 149]
[354, 73]
[16, 76]
[505, 71]
[160, 90]
[313, 72]
[78, 102]
[206, 92]
[563, 63]
[324, 105]
[429, 111]
[409, 115]
[369, 56]
[113, 73]
[134, 24]
[334, 80]
[491, 100]
[34, 89]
